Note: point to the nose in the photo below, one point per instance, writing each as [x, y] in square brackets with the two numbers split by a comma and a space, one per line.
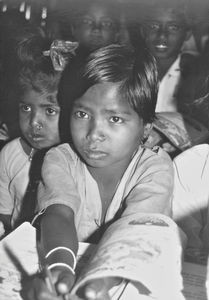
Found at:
[36, 121]
[162, 34]
[96, 132]
[97, 26]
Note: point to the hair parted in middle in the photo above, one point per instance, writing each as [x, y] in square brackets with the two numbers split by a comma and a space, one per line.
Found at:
[135, 72]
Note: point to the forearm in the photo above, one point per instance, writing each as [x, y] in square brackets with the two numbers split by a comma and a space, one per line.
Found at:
[58, 230]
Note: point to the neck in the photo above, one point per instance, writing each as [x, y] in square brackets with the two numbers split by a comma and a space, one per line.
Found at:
[27, 148]
[110, 174]
[164, 65]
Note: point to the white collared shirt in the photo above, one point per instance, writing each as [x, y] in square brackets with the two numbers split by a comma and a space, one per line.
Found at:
[166, 100]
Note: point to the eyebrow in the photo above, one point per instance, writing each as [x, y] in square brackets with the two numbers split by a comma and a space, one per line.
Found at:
[116, 112]
[106, 111]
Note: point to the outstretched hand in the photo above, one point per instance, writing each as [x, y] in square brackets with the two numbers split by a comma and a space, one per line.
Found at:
[36, 288]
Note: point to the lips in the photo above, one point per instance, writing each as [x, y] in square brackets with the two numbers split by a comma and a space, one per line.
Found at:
[36, 137]
[161, 47]
[95, 154]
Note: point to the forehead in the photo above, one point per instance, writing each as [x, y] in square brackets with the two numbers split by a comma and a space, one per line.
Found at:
[36, 98]
[98, 10]
[103, 95]
[166, 14]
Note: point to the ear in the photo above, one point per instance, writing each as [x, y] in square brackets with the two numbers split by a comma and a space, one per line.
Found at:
[147, 130]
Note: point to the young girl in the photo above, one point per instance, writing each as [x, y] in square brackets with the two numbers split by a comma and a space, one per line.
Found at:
[36, 91]
[105, 172]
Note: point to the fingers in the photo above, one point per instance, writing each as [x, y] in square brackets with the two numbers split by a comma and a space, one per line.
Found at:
[35, 289]
[65, 282]
[99, 289]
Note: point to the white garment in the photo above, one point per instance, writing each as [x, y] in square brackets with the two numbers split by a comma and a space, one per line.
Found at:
[191, 195]
[14, 178]
[166, 100]
[146, 186]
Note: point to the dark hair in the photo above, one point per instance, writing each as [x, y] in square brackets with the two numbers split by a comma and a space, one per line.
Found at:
[36, 71]
[134, 71]
[26, 68]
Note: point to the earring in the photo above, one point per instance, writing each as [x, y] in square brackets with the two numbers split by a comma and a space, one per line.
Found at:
[38, 126]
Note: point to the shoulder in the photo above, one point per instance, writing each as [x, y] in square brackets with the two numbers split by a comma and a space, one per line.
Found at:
[62, 150]
[155, 156]
[153, 162]
[62, 155]
[12, 148]
[193, 158]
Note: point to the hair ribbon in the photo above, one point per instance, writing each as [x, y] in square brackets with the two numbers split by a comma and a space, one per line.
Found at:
[60, 52]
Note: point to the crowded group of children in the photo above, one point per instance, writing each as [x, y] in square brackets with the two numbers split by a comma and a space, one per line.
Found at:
[79, 155]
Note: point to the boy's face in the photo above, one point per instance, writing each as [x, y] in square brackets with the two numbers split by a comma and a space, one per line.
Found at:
[96, 28]
[105, 129]
[38, 118]
[165, 32]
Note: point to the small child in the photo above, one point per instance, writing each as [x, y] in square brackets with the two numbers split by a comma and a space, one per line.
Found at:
[36, 91]
[165, 28]
[96, 23]
[104, 172]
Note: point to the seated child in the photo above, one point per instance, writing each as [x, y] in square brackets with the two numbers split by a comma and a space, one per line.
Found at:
[165, 28]
[191, 194]
[95, 23]
[36, 91]
[104, 172]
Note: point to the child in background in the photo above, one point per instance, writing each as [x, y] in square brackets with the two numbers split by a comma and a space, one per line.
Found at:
[95, 23]
[36, 91]
[105, 172]
[14, 29]
[165, 28]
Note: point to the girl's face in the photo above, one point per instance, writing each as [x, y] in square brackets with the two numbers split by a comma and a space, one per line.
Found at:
[96, 28]
[38, 118]
[105, 129]
[165, 33]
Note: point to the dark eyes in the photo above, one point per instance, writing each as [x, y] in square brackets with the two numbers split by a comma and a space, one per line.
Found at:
[81, 115]
[170, 27]
[51, 111]
[116, 119]
[89, 23]
[25, 108]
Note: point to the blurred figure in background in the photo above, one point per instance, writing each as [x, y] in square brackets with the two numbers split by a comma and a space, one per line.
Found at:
[95, 23]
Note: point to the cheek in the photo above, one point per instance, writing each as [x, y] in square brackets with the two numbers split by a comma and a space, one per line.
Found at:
[81, 34]
[23, 122]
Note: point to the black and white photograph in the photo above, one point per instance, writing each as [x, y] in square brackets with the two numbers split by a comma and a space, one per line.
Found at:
[104, 149]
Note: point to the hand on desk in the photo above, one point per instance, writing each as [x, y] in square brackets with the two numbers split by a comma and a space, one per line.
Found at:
[36, 288]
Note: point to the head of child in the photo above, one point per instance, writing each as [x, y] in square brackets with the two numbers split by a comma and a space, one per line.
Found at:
[37, 95]
[165, 28]
[108, 103]
[95, 23]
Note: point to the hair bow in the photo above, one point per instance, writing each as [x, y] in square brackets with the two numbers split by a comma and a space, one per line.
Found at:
[60, 52]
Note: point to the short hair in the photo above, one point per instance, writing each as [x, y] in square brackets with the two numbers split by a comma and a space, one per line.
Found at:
[135, 72]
